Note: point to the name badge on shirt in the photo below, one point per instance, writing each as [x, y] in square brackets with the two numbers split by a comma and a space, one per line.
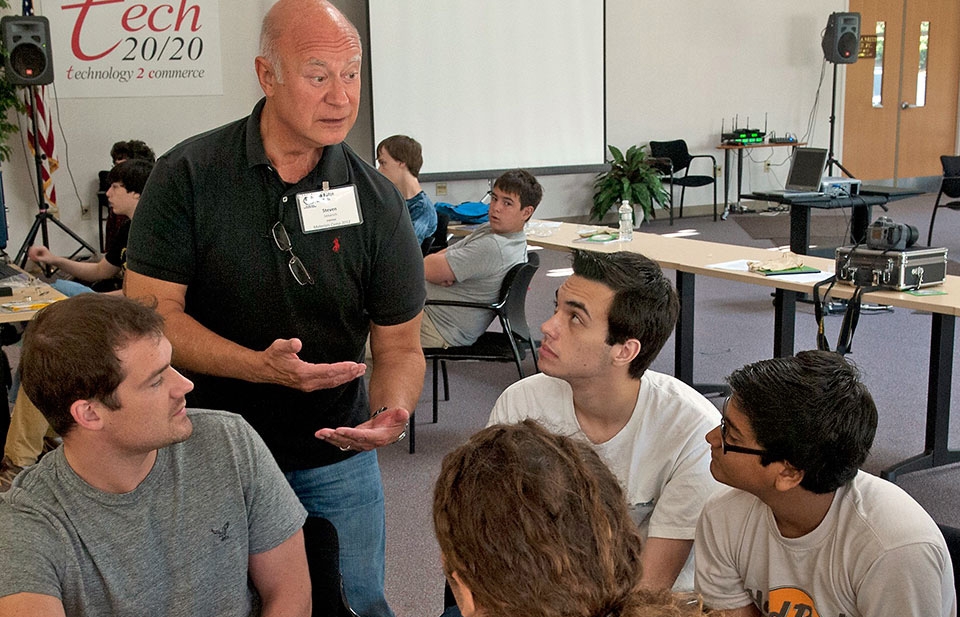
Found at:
[329, 209]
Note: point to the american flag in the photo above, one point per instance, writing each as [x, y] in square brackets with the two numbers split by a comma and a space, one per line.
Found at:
[44, 134]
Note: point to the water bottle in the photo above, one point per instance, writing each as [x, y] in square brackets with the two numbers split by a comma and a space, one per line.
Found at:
[626, 221]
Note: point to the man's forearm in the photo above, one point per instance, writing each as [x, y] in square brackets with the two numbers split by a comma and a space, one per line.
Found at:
[195, 347]
[199, 349]
[85, 270]
[398, 365]
[397, 381]
[663, 559]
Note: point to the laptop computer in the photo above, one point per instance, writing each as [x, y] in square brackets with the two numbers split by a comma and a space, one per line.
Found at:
[805, 176]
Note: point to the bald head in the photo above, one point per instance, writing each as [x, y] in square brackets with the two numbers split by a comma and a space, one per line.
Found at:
[288, 14]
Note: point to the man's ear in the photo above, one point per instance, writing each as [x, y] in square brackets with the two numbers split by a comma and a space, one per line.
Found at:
[265, 75]
[527, 212]
[625, 352]
[788, 477]
[463, 595]
[87, 414]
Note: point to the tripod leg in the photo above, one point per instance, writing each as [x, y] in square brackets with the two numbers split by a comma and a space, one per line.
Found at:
[70, 232]
[21, 259]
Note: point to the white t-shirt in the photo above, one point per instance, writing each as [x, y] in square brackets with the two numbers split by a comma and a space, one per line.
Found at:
[876, 552]
[660, 455]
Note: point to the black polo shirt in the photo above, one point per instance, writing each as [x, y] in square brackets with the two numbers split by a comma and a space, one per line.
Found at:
[204, 221]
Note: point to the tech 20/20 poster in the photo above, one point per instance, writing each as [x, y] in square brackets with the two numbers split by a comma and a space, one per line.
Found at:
[115, 48]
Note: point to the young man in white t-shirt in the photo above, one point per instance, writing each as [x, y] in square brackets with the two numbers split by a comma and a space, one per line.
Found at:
[807, 533]
[613, 316]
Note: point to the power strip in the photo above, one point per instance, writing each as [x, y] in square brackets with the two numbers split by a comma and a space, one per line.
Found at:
[783, 140]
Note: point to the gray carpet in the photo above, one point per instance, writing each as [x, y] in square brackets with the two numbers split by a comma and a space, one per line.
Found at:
[734, 326]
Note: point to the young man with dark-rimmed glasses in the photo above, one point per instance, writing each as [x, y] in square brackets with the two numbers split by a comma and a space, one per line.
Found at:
[803, 531]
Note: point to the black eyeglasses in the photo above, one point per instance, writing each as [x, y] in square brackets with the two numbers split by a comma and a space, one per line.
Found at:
[297, 269]
[724, 446]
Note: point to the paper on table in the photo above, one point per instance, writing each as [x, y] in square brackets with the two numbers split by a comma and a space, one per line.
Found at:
[740, 265]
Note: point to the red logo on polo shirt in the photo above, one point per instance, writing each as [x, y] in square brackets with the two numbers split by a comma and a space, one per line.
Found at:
[336, 245]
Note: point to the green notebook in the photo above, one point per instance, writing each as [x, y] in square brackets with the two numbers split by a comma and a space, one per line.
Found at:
[800, 270]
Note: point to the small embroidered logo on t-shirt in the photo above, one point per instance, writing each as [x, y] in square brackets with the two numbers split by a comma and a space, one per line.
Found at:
[336, 245]
[222, 532]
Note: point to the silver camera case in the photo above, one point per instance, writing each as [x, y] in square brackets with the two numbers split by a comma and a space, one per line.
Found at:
[911, 268]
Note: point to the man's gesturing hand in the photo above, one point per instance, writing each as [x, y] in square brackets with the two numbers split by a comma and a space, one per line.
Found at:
[383, 429]
[284, 367]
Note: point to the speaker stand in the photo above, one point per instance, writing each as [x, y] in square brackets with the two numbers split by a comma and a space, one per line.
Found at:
[831, 160]
[40, 222]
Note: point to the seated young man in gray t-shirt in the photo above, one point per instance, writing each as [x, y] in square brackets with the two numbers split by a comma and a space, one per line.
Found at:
[472, 270]
[146, 508]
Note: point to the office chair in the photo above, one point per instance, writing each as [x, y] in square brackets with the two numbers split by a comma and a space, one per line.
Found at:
[680, 159]
[502, 346]
[323, 558]
[949, 186]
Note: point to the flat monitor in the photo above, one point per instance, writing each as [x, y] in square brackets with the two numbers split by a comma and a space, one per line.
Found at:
[806, 169]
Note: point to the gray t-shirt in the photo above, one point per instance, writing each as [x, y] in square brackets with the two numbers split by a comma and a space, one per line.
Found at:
[479, 261]
[177, 545]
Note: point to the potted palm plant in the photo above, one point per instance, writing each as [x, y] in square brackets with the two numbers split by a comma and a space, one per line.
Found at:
[631, 177]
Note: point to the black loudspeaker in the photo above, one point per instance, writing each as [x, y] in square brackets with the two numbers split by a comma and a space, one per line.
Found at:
[26, 41]
[841, 39]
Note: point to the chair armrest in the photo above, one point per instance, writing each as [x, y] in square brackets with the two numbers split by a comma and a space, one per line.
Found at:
[662, 164]
[713, 170]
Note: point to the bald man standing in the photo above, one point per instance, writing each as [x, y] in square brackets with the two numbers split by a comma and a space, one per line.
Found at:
[272, 250]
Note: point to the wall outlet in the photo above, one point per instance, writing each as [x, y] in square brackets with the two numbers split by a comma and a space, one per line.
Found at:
[84, 212]
[766, 167]
[441, 188]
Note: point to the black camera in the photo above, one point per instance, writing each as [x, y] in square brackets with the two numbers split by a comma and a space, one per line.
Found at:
[885, 235]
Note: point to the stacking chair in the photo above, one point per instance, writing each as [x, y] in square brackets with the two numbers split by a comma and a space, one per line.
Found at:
[949, 186]
[680, 159]
[323, 558]
[505, 346]
[426, 245]
[440, 238]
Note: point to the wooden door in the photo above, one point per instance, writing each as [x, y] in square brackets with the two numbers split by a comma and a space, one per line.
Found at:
[886, 139]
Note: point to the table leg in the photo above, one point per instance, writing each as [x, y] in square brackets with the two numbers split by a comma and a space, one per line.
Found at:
[683, 355]
[683, 342]
[799, 229]
[739, 178]
[726, 184]
[784, 322]
[935, 451]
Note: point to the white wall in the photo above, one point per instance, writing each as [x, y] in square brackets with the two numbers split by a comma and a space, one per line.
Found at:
[674, 70]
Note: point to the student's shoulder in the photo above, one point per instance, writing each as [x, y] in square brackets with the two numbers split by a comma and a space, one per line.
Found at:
[894, 517]
[539, 385]
[728, 502]
[212, 424]
[535, 397]
[670, 391]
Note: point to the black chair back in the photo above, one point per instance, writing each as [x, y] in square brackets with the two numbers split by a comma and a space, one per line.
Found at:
[425, 245]
[323, 558]
[440, 236]
[514, 308]
[675, 150]
[951, 176]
